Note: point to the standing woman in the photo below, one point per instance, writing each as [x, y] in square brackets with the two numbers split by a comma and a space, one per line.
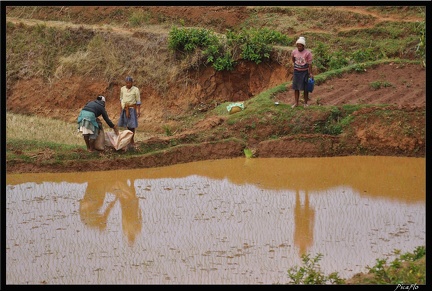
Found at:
[302, 59]
[88, 123]
[130, 102]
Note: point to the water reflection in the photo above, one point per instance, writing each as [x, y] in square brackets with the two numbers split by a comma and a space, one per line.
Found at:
[387, 177]
[304, 217]
[91, 206]
[95, 207]
[239, 221]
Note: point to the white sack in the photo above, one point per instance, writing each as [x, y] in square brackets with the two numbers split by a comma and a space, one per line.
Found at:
[118, 141]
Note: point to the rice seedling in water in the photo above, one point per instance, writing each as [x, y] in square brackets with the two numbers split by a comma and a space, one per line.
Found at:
[248, 153]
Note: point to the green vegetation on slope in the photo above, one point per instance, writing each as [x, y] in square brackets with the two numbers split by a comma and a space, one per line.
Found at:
[56, 53]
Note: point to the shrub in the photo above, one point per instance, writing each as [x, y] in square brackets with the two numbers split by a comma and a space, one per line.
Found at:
[254, 45]
[321, 56]
[311, 274]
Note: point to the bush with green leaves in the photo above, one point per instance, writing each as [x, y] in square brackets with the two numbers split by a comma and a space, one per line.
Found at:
[402, 270]
[363, 55]
[338, 60]
[407, 269]
[257, 44]
[188, 40]
[311, 274]
[225, 62]
[249, 44]
[321, 55]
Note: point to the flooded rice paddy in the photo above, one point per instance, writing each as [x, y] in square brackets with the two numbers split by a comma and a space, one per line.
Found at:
[234, 221]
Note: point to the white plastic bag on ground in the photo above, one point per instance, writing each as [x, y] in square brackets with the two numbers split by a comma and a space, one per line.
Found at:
[118, 141]
[235, 107]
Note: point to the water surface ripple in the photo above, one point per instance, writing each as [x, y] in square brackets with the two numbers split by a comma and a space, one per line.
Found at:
[233, 221]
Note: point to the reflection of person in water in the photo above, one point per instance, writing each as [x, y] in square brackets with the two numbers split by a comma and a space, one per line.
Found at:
[91, 206]
[94, 213]
[131, 212]
[304, 218]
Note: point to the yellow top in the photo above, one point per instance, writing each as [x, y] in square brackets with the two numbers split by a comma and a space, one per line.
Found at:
[129, 96]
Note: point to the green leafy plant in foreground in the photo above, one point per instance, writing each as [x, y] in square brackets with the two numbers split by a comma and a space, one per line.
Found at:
[407, 269]
[402, 270]
[310, 273]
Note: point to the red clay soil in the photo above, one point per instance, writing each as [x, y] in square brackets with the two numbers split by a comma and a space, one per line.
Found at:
[407, 94]
[406, 90]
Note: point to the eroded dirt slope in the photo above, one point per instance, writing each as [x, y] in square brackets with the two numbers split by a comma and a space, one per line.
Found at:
[402, 85]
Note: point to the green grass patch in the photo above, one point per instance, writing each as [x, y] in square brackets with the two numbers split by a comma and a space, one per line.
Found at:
[248, 153]
[406, 269]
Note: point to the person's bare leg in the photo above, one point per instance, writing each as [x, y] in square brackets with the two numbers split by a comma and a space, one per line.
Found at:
[92, 145]
[296, 98]
[306, 97]
[87, 142]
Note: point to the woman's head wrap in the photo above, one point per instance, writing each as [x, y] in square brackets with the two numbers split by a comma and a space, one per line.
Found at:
[301, 40]
[100, 97]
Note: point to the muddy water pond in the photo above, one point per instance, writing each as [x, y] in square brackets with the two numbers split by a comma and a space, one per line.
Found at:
[233, 221]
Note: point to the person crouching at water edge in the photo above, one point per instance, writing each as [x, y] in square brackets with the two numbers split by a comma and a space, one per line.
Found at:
[88, 124]
[130, 101]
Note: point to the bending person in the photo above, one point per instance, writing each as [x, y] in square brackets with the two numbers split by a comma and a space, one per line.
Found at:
[87, 121]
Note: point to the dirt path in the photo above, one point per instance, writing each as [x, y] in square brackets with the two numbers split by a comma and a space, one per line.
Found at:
[154, 29]
[379, 17]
